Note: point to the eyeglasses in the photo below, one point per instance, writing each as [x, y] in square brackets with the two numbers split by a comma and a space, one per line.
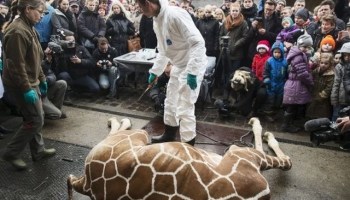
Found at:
[41, 12]
[74, 6]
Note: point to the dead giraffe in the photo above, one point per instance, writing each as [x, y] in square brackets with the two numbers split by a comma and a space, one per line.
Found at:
[123, 166]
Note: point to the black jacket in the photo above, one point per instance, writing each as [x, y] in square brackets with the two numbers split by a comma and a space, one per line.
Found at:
[210, 30]
[147, 35]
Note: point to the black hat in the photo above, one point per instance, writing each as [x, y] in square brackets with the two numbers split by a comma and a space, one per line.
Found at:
[302, 13]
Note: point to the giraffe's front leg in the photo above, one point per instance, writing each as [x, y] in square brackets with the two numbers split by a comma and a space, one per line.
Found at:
[257, 130]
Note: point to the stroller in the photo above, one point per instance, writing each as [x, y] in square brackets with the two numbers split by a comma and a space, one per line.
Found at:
[206, 90]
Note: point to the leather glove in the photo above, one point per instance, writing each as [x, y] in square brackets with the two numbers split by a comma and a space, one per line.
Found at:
[43, 88]
[30, 96]
[192, 81]
[151, 78]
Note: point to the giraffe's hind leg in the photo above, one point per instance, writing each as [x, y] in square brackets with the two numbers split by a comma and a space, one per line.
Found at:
[125, 124]
[273, 144]
[114, 124]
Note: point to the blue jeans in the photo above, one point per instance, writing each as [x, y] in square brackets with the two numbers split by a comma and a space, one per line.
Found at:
[86, 82]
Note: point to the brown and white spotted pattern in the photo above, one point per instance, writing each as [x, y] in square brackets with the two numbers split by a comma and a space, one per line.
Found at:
[124, 166]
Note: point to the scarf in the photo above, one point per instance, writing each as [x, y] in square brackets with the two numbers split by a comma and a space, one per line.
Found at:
[231, 23]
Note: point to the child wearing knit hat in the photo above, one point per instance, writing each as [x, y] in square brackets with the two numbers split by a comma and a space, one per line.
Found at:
[260, 58]
[327, 45]
[298, 87]
[287, 33]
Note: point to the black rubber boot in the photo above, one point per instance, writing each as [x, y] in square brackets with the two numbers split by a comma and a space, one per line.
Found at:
[287, 125]
[192, 142]
[168, 135]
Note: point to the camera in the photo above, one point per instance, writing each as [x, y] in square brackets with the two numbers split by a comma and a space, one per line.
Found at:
[57, 45]
[323, 130]
[259, 19]
[104, 64]
[225, 40]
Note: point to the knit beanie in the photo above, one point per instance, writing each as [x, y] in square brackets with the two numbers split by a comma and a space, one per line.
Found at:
[289, 20]
[282, 1]
[263, 44]
[328, 40]
[304, 41]
[302, 13]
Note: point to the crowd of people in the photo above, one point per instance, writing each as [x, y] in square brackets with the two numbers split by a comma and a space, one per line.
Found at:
[300, 58]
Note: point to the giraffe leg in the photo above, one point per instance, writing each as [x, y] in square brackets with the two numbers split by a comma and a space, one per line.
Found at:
[125, 124]
[113, 124]
[257, 130]
[273, 144]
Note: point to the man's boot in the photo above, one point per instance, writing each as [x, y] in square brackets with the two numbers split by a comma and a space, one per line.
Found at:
[168, 135]
[287, 125]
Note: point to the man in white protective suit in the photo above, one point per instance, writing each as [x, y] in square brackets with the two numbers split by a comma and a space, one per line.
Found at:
[179, 42]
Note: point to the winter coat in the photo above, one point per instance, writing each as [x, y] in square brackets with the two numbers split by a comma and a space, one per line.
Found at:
[338, 91]
[90, 24]
[178, 41]
[318, 36]
[44, 27]
[60, 21]
[108, 55]
[275, 72]
[320, 105]
[147, 34]
[238, 38]
[346, 82]
[22, 56]
[250, 14]
[119, 28]
[298, 87]
[75, 70]
[272, 26]
[210, 30]
[258, 64]
[288, 34]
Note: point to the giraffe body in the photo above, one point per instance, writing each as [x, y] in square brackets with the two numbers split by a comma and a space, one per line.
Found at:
[123, 166]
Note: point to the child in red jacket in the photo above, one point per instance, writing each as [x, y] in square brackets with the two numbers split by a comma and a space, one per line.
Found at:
[260, 58]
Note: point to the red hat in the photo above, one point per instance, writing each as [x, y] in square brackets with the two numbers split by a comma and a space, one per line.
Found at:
[263, 44]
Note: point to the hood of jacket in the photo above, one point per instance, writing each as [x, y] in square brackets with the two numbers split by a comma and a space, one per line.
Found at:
[278, 45]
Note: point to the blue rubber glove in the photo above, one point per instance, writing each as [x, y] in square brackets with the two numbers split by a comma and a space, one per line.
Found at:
[43, 88]
[30, 96]
[151, 78]
[192, 81]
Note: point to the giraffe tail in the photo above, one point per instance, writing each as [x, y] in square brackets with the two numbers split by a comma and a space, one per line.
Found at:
[76, 184]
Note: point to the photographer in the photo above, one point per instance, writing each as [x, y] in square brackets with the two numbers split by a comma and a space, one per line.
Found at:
[107, 73]
[53, 100]
[75, 66]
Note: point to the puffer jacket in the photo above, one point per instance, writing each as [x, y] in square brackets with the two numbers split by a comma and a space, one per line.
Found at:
[275, 72]
[346, 82]
[338, 96]
[298, 87]
[22, 56]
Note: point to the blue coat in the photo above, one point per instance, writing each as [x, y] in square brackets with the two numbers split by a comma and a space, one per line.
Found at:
[275, 72]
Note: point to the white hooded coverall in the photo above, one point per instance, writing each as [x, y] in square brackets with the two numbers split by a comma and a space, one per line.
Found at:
[180, 42]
